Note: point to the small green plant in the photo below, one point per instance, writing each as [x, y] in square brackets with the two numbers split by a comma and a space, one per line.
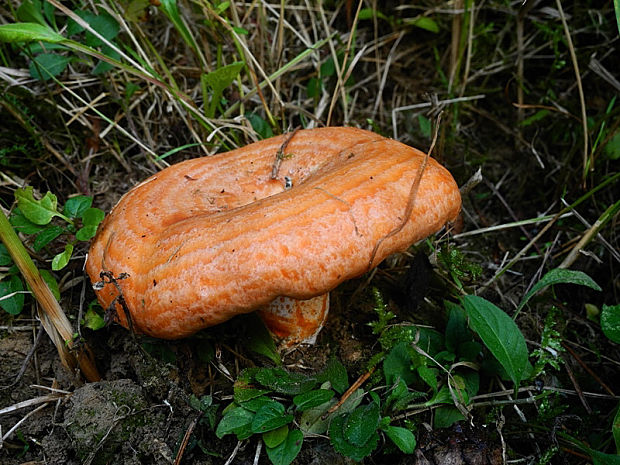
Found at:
[548, 355]
[51, 59]
[460, 269]
[34, 218]
[353, 425]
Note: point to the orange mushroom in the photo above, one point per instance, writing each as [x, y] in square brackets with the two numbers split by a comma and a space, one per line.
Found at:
[210, 238]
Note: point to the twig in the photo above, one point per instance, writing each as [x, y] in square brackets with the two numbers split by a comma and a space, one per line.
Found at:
[573, 380]
[186, 437]
[17, 425]
[361, 380]
[234, 453]
[280, 153]
[22, 370]
[259, 447]
[590, 234]
[34, 401]
[587, 368]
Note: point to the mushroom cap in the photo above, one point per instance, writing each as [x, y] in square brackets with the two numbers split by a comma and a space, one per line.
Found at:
[209, 238]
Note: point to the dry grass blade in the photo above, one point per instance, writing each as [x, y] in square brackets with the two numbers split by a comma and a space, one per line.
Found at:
[582, 100]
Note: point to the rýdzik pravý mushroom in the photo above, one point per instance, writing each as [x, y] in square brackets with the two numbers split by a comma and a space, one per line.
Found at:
[213, 237]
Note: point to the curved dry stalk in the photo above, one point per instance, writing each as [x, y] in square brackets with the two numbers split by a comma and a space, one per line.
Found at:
[412, 195]
[73, 356]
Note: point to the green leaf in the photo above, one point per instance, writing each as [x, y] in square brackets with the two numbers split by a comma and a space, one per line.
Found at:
[369, 13]
[259, 125]
[312, 421]
[39, 212]
[92, 217]
[5, 257]
[313, 88]
[76, 206]
[93, 320]
[425, 23]
[500, 334]
[47, 65]
[428, 375]
[400, 397]
[201, 404]
[219, 80]
[397, 364]
[235, 421]
[86, 233]
[27, 32]
[328, 68]
[539, 115]
[443, 396]
[610, 322]
[44, 47]
[275, 437]
[134, 11]
[15, 303]
[559, 276]
[61, 260]
[599, 458]
[30, 12]
[425, 126]
[287, 450]
[312, 399]
[46, 236]
[22, 224]
[270, 416]
[283, 382]
[342, 445]
[612, 148]
[245, 394]
[259, 340]
[222, 7]
[104, 66]
[254, 405]
[336, 374]
[447, 416]
[361, 424]
[51, 282]
[402, 437]
[104, 24]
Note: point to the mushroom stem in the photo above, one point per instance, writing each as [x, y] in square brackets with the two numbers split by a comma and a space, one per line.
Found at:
[295, 321]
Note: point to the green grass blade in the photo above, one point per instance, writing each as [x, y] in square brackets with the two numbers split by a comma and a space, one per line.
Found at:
[28, 32]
